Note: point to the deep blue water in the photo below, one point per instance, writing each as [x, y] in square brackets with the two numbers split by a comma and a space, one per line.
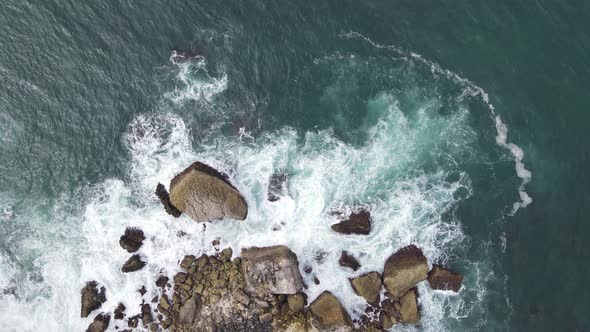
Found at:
[394, 95]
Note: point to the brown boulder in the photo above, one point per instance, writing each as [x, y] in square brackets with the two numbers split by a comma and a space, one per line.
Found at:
[296, 302]
[100, 323]
[329, 314]
[205, 194]
[134, 263]
[407, 307]
[347, 260]
[368, 286]
[164, 197]
[357, 223]
[92, 297]
[132, 239]
[403, 270]
[444, 279]
[271, 270]
[119, 312]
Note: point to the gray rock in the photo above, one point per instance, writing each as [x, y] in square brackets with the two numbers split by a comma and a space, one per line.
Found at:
[92, 297]
[205, 194]
[271, 270]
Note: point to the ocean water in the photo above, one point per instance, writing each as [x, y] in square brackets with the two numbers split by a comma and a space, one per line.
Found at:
[460, 125]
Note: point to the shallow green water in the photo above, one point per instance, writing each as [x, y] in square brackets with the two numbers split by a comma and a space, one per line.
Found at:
[375, 93]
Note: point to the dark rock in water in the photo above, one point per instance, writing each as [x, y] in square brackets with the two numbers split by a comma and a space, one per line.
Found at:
[403, 270]
[146, 314]
[162, 281]
[100, 323]
[271, 270]
[205, 194]
[368, 286]
[329, 314]
[357, 223]
[164, 197]
[132, 239]
[134, 263]
[119, 312]
[348, 260]
[444, 279]
[92, 297]
[277, 187]
[133, 321]
[142, 290]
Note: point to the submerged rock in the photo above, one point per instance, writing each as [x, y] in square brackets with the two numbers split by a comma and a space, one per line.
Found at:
[205, 194]
[100, 323]
[134, 263]
[164, 197]
[277, 187]
[92, 297]
[183, 55]
[357, 223]
[132, 239]
[347, 260]
[368, 286]
[329, 314]
[444, 279]
[403, 270]
[272, 270]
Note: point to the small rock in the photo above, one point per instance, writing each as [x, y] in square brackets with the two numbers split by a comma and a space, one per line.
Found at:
[444, 279]
[119, 312]
[241, 297]
[267, 317]
[329, 314]
[179, 278]
[100, 323]
[164, 197]
[349, 261]
[296, 302]
[162, 281]
[226, 254]
[132, 239]
[404, 269]
[142, 290]
[277, 187]
[133, 321]
[357, 223]
[134, 263]
[92, 297]
[146, 314]
[368, 286]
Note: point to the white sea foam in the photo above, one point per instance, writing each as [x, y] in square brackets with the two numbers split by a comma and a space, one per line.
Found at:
[472, 89]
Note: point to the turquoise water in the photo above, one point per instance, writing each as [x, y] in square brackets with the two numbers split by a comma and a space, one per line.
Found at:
[398, 105]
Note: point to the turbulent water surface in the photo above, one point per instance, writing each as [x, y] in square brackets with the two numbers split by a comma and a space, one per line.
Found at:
[456, 124]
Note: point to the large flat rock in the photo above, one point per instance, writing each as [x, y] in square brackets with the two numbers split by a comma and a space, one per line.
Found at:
[271, 270]
[329, 314]
[205, 194]
[403, 270]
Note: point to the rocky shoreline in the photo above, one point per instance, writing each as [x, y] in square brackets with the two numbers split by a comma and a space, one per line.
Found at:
[262, 289]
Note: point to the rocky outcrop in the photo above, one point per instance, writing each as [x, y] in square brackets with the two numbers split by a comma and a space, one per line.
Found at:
[134, 263]
[404, 269]
[329, 314]
[164, 197]
[119, 312]
[444, 279]
[277, 187]
[100, 323]
[357, 223]
[347, 260]
[205, 194]
[93, 297]
[273, 270]
[132, 239]
[368, 286]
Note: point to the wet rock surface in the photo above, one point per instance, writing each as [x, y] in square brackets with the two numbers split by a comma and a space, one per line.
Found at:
[164, 197]
[357, 223]
[93, 296]
[277, 187]
[205, 194]
[329, 314]
[100, 323]
[132, 239]
[404, 269]
[134, 263]
[444, 279]
[368, 286]
[347, 260]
